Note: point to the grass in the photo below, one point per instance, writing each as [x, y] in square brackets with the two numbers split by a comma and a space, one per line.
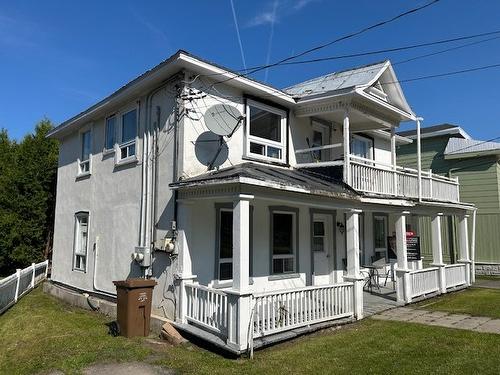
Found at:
[40, 333]
[472, 301]
[488, 277]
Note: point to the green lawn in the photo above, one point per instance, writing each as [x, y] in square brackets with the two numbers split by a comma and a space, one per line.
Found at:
[472, 301]
[40, 333]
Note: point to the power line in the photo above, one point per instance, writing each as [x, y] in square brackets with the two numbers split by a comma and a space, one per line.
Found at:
[342, 38]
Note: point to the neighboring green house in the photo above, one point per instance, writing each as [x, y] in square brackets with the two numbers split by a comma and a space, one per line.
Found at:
[448, 150]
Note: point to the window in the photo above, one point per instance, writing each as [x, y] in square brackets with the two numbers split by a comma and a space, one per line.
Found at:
[84, 163]
[362, 146]
[128, 134]
[110, 136]
[226, 244]
[318, 235]
[81, 241]
[283, 242]
[266, 131]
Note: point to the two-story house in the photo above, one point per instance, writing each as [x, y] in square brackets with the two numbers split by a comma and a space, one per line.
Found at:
[254, 208]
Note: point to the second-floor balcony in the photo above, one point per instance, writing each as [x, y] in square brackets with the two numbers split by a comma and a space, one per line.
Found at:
[377, 178]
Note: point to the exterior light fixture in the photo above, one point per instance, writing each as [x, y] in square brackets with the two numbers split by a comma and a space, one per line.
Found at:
[341, 227]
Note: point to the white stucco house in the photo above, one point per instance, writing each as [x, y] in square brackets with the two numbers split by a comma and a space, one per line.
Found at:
[263, 229]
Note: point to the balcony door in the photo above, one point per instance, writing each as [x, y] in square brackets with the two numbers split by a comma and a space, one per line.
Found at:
[380, 234]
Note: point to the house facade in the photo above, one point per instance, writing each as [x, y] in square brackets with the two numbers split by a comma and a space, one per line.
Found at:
[448, 150]
[254, 208]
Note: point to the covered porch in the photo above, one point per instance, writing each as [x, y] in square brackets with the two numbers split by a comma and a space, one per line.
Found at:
[282, 259]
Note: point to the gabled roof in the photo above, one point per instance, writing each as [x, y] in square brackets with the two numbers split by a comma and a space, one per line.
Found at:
[366, 81]
[436, 131]
[296, 180]
[458, 148]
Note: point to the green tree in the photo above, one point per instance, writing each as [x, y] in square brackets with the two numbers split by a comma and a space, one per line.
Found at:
[28, 173]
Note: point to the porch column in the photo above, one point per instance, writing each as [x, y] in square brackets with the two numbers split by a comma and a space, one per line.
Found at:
[473, 249]
[463, 243]
[393, 161]
[403, 287]
[437, 250]
[353, 274]
[419, 159]
[184, 266]
[347, 146]
[239, 298]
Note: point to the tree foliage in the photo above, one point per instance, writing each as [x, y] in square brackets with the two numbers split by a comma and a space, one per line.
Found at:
[28, 172]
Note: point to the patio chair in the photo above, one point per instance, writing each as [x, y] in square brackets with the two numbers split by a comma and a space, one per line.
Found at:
[384, 270]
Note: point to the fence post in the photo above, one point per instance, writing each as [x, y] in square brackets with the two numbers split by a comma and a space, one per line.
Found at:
[18, 275]
[33, 275]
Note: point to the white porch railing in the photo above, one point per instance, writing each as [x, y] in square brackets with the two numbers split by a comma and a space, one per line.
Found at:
[281, 311]
[424, 281]
[18, 284]
[371, 176]
[455, 275]
[207, 307]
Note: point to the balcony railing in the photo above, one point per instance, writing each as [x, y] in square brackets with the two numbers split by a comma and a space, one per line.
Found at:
[374, 177]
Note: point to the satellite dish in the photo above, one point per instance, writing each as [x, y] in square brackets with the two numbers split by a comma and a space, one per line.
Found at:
[222, 119]
[211, 150]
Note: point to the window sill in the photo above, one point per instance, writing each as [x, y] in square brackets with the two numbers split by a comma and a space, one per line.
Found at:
[106, 152]
[283, 276]
[265, 160]
[79, 270]
[126, 161]
[84, 175]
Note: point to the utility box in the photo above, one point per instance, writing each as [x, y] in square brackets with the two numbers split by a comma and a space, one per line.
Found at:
[133, 308]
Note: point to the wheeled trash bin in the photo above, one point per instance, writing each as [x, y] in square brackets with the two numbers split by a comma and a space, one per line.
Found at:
[133, 308]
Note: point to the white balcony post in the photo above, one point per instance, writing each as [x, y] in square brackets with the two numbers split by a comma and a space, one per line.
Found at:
[473, 248]
[402, 272]
[184, 265]
[437, 250]
[347, 151]
[353, 274]
[419, 159]
[18, 278]
[463, 241]
[241, 262]
[393, 161]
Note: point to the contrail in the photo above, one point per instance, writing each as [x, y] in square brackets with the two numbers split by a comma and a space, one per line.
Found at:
[238, 34]
[270, 43]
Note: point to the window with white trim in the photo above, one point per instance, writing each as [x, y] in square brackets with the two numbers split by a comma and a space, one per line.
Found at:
[225, 244]
[362, 146]
[85, 152]
[265, 132]
[81, 241]
[319, 235]
[110, 133]
[128, 133]
[283, 242]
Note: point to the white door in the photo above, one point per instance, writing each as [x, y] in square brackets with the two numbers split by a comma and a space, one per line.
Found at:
[322, 248]
[380, 236]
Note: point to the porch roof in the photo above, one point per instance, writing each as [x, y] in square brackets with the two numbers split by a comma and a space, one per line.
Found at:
[297, 180]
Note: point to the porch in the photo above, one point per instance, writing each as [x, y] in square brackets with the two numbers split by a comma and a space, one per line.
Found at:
[279, 261]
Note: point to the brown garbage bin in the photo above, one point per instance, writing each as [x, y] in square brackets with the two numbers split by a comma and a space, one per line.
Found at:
[133, 307]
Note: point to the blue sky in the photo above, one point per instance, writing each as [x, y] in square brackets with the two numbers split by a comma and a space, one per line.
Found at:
[59, 57]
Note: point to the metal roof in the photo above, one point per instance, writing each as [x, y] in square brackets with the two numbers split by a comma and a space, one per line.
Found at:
[470, 147]
[311, 182]
[435, 131]
[345, 79]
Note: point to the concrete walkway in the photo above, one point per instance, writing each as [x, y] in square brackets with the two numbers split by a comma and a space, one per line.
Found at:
[441, 319]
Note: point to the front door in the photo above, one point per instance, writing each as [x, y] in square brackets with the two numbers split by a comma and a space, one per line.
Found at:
[322, 249]
[380, 236]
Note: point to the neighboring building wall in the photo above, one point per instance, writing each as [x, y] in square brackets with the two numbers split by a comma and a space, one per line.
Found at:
[479, 179]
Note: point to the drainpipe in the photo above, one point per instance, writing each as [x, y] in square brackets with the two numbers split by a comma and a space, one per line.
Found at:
[419, 160]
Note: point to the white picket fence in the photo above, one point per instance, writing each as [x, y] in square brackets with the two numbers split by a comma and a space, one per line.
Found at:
[18, 284]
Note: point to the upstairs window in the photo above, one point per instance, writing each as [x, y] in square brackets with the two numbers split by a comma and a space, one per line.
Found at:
[128, 134]
[86, 148]
[81, 241]
[266, 132]
[110, 133]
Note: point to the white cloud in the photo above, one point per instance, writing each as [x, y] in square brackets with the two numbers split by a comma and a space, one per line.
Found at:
[269, 16]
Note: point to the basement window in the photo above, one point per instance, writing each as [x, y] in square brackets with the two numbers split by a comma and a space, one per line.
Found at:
[265, 132]
[81, 241]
